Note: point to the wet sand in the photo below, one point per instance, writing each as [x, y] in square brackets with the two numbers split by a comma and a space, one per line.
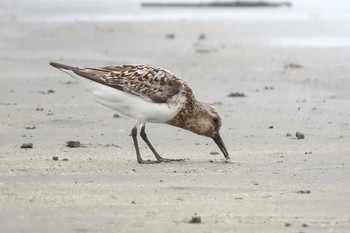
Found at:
[294, 73]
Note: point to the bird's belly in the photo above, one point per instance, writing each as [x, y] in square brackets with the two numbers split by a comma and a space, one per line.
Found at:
[128, 104]
[134, 106]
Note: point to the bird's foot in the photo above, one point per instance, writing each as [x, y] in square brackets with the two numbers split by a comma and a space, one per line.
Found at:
[160, 160]
[148, 161]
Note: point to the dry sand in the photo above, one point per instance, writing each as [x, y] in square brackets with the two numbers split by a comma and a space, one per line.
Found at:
[293, 70]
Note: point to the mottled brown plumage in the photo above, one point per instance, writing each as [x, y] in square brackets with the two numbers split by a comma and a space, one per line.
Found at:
[154, 83]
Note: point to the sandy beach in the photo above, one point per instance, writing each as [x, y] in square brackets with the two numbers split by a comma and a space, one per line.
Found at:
[291, 64]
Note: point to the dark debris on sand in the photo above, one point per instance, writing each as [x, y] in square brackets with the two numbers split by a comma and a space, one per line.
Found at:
[73, 144]
[195, 219]
[27, 145]
[236, 94]
[299, 135]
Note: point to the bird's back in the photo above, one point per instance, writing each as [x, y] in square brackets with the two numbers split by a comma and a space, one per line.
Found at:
[155, 84]
[134, 90]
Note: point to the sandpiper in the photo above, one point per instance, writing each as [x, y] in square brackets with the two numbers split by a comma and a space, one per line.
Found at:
[149, 94]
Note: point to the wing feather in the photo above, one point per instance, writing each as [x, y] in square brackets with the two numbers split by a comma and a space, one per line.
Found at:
[152, 83]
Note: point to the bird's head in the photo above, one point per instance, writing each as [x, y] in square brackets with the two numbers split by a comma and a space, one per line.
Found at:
[204, 120]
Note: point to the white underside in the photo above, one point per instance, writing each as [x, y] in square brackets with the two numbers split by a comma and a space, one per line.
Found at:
[128, 104]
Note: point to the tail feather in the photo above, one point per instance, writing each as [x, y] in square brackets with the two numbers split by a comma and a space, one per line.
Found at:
[61, 66]
[78, 73]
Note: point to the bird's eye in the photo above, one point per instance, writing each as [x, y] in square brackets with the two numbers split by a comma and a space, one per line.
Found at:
[215, 120]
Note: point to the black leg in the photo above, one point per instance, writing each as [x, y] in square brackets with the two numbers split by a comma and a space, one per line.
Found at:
[134, 137]
[158, 157]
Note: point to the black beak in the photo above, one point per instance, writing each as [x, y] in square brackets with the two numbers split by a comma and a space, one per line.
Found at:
[221, 145]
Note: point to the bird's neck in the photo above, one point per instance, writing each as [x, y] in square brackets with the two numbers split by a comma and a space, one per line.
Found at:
[186, 117]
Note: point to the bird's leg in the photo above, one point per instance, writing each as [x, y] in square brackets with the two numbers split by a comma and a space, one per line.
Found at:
[134, 137]
[158, 157]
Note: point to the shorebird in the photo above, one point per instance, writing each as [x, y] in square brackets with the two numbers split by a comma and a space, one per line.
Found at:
[149, 94]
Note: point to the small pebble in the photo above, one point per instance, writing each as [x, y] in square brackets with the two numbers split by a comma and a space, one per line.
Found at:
[195, 219]
[293, 66]
[214, 153]
[27, 145]
[303, 192]
[202, 36]
[55, 158]
[170, 36]
[299, 135]
[73, 144]
[236, 94]
[269, 88]
[65, 159]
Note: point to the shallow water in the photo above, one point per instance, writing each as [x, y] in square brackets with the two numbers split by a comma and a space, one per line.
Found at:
[293, 23]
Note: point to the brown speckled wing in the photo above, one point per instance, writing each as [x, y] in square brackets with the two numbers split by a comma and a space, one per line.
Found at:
[155, 84]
